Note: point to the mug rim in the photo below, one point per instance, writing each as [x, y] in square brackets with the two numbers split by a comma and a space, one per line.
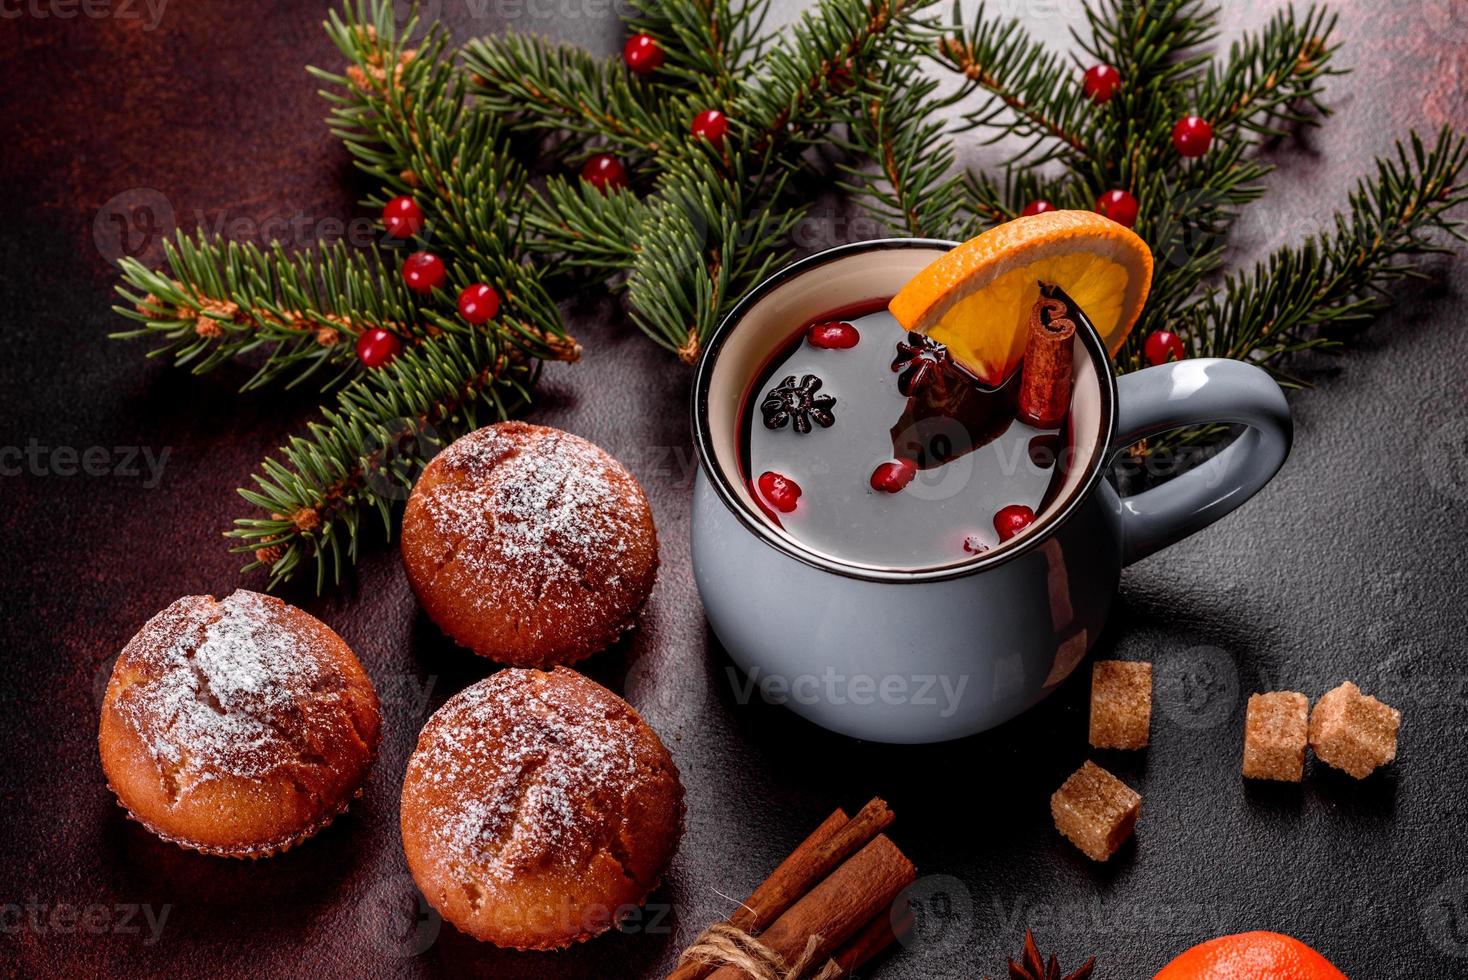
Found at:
[1062, 510]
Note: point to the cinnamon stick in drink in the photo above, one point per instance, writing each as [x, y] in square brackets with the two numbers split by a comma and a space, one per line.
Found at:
[838, 908]
[1045, 382]
[836, 839]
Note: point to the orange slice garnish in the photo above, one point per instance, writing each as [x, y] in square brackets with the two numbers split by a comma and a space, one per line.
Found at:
[977, 298]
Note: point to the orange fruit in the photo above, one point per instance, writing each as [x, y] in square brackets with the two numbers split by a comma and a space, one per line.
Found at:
[977, 298]
[1250, 956]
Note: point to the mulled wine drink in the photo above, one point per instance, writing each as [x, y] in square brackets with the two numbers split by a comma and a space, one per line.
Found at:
[871, 445]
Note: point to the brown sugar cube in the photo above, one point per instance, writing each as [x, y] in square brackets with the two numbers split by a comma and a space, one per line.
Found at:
[1354, 732]
[1276, 729]
[1095, 811]
[1121, 704]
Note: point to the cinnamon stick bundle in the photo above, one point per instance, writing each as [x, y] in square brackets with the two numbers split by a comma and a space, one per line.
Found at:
[1044, 388]
[855, 894]
[837, 886]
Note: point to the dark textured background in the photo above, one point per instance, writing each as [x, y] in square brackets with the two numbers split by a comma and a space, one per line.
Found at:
[1349, 565]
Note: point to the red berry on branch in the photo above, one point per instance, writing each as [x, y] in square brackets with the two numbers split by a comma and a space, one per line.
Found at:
[835, 335]
[478, 303]
[1162, 346]
[377, 346]
[1037, 207]
[402, 217]
[711, 124]
[642, 54]
[1119, 206]
[604, 171]
[893, 476]
[781, 491]
[1101, 83]
[1192, 136]
[1012, 519]
[424, 272]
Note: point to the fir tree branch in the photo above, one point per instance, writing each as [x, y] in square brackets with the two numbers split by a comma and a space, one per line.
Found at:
[1303, 296]
[894, 121]
[1029, 93]
[222, 300]
[367, 451]
[708, 236]
[814, 62]
[582, 227]
[707, 44]
[556, 88]
[1272, 76]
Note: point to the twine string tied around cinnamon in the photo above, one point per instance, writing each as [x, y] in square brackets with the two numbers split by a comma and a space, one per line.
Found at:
[722, 944]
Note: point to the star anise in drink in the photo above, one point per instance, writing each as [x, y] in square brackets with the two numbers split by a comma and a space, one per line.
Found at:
[789, 402]
[922, 362]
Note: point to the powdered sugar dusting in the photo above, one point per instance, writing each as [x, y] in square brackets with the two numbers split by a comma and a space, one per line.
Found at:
[526, 769]
[217, 686]
[544, 508]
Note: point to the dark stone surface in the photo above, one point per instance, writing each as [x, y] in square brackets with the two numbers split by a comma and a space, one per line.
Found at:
[1348, 565]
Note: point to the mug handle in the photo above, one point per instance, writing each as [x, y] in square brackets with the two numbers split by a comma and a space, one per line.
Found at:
[1198, 391]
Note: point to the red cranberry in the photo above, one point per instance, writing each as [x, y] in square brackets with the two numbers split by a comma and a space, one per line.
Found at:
[1037, 207]
[781, 491]
[377, 346]
[1100, 83]
[402, 217]
[1119, 206]
[892, 476]
[711, 124]
[1012, 519]
[1192, 136]
[642, 54]
[604, 171]
[834, 335]
[478, 303]
[424, 272]
[1162, 346]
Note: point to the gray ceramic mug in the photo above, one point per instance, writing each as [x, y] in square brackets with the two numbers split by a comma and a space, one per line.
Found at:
[938, 653]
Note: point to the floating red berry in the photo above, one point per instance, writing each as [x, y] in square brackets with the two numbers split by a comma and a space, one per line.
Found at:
[781, 491]
[1162, 346]
[893, 476]
[1012, 519]
[376, 347]
[424, 272]
[1037, 207]
[478, 303]
[1119, 206]
[835, 335]
[711, 124]
[642, 54]
[402, 217]
[1101, 83]
[603, 171]
[1192, 136]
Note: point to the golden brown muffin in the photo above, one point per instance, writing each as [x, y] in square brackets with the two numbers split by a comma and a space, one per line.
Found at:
[538, 809]
[237, 727]
[529, 545]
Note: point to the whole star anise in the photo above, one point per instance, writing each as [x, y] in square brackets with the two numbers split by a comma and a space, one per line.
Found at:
[922, 361]
[790, 402]
[1032, 965]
